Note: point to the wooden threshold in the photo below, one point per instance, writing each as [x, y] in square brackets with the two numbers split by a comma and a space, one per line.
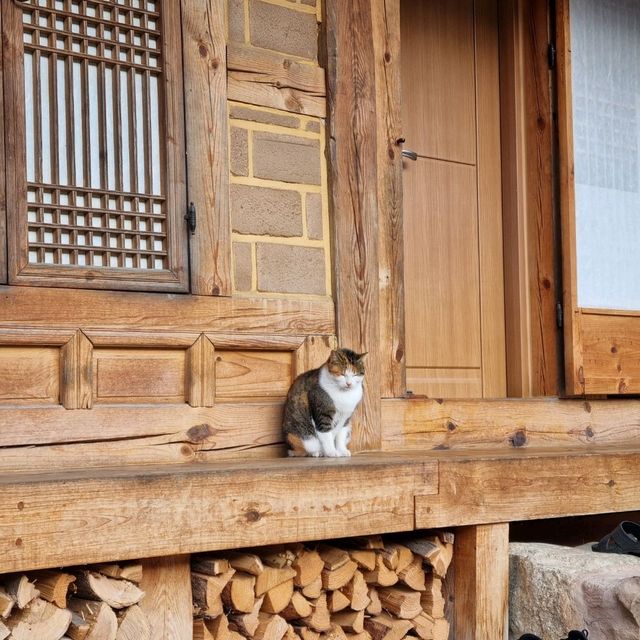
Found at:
[116, 514]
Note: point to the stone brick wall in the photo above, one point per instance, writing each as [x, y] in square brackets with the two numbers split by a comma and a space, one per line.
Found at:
[278, 181]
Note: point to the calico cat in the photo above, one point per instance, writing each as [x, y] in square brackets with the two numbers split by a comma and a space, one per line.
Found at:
[320, 404]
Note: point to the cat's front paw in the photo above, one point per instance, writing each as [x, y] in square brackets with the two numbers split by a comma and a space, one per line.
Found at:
[344, 453]
[332, 454]
[316, 454]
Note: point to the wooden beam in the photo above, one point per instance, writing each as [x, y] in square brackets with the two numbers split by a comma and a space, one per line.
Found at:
[167, 601]
[205, 79]
[40, 307]
[508, 424]
[481, 581]
[105, 515]
[353, 153]
[3, 200]
[75, 382]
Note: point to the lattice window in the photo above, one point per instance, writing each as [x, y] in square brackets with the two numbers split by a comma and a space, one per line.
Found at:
[101, 143]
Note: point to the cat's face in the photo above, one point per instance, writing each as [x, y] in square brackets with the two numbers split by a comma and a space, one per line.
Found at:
[347, 368]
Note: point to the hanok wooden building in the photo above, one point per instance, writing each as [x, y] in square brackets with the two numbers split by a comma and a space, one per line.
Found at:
[200, 198]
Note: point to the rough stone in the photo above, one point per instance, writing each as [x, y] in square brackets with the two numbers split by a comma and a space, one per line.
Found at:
[262, 211]
[554, 589]
[286, 158]
[314, 216]
[242, 266]
[314, 126]
[291, 269]
[236, 20]
[283, 29]
[239, 151]
[264, 117]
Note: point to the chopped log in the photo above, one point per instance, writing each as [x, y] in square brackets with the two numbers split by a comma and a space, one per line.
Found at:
[365, 635]
[291, 634]
[41, 620]
[299, 607]
[100, 616]
[210, 565]
[308, 567]
[441, 629]
[384, 627]
[319, 620]
[281, 556]
[381, 575]
[53, 586]
[446, 537]
[337, 601]
[307, 634]
[21, 590]
[413, 574]
[423, 625]
[366, 559]
[79, 628]
[5, 632]
[432, 599]
[314, 589]
[201, 630]
[218, 627]
[130, 571]
[7, 603]
[247, 562]
[117, 593]
[271, 577]
[357, 591]
[367, 542]
[276, 599]
[335, 578]
[234, 635]
[207, 590]
[396, 556]
[238, 594]
[401, 601]
[271, 627]
[133, 624]
[435, 552]
[332, 557]
[247, 623]
[335, 633]
[351, 621]
[374, 608]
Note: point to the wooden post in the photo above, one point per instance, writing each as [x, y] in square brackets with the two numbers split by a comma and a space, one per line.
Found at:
[353, 188]
[481, 581]
[167, 603]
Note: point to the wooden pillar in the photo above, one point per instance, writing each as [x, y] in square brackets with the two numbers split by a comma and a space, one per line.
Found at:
[167, 603]
[481, 581]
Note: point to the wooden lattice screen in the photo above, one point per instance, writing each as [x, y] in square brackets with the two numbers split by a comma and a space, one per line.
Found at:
[94, 89]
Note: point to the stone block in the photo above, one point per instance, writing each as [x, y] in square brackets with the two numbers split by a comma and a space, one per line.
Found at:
[242, 266]
[282, 29]
[314, 216]
[314, 126]
[264, 117]
[236, 20]
[286, 158]
[554, 589]
[291, 269]
[239, 151]
[262, 211]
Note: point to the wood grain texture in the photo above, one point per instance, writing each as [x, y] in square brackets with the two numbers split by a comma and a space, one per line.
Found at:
[509, 424]
[3, 200]
[269, 79]
[491, 264]
[108, 515]
[481, 585]
[352, 100]
[313, 353]
[201, 379]
[205, 81]
[386, 41]
[76, 372]
[445, 383]
[489, 487]
[24, 306]
[167, 602]
[29, 375]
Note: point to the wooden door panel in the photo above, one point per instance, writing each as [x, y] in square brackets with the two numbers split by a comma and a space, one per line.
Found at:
[441, 270]
[445, 383]
[439, 91]
[29, 375]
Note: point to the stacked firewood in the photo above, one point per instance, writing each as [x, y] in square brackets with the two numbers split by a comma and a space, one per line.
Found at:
[356, 589]
[99, 602]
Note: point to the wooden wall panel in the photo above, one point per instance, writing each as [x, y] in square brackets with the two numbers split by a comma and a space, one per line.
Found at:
[29, 375]
[445, 383]
[3, 202]
[253, 374]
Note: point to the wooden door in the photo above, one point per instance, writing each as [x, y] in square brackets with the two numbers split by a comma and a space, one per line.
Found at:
[454, 292]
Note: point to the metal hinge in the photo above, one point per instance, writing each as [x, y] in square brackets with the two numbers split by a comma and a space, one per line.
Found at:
[191, 217]
[551, 56]
[559, 314]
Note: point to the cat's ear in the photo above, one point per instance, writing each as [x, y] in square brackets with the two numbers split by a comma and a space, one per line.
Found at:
[361, 355]
[333, 356]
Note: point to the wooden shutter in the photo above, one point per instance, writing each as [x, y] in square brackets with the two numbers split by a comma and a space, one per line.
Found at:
[95, 144]
[599, 127]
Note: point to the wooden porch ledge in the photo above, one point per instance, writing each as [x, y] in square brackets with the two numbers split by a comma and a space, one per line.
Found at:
[97, 515]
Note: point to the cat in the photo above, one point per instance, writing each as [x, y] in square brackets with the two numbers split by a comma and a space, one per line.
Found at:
[320, 404]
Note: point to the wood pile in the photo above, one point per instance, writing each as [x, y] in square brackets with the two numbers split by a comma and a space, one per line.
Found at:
[99, 602]
[356, 589]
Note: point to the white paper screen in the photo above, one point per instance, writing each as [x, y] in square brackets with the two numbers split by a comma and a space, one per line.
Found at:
[605, 44]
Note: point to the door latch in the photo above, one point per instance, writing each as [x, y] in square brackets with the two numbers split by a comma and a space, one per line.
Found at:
[191, 217]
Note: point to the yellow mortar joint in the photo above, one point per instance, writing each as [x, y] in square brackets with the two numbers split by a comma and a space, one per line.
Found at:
[247, 27]
[280, 296]
[305, 231]
[254, 268]
[277, 128]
